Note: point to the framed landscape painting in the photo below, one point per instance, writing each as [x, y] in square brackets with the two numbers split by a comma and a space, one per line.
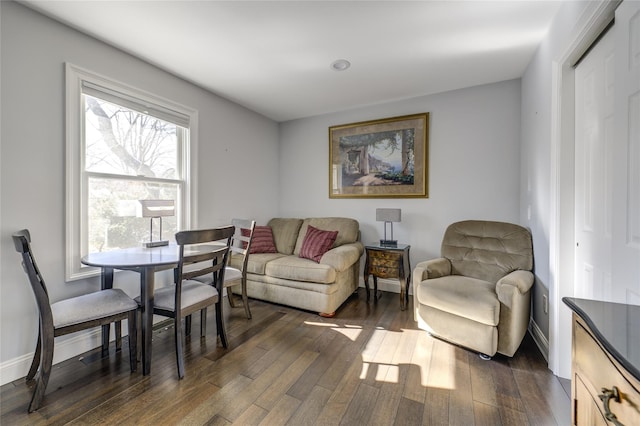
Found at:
[385, 158]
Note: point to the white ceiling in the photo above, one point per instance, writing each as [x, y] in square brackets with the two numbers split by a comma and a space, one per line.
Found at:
[274, 57]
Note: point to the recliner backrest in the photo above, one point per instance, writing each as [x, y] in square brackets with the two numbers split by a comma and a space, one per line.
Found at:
[487, 250]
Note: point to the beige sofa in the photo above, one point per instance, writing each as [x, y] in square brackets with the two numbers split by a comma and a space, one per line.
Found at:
[477, 294]
[288, 279]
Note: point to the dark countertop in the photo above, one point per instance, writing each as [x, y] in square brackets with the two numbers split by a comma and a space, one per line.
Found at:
[617, 327]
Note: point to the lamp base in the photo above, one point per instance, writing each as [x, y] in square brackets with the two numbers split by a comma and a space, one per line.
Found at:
[156, 244]
[389, 243]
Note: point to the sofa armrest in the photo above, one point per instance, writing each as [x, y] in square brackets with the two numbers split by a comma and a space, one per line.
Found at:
[515, 283]
[343, 257]
[433, 268]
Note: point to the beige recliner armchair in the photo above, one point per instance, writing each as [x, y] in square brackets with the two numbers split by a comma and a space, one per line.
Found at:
[477, 295]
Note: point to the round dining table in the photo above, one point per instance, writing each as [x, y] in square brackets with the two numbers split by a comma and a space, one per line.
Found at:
[145, 261]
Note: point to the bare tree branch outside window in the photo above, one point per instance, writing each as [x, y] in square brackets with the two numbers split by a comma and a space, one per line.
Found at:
[121, 143]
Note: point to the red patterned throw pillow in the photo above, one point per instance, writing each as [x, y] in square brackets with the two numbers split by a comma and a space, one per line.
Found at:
[262, 240]
[316, 243]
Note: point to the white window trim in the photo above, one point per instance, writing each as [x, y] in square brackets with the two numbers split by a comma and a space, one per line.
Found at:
[76, 219]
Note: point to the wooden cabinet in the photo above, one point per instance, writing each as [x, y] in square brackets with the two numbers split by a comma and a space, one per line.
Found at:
[605, 386]
[388, 262]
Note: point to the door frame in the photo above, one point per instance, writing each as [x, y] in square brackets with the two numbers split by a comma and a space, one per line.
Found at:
[594, 20]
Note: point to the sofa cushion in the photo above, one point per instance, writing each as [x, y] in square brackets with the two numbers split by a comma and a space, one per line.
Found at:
[299, 269]
[348, 230]
[262, 240]
[467, 297]
[256, 263]
[316, 243]
[285, 233]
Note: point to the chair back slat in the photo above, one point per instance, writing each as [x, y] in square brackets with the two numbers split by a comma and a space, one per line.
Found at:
[241, 244]
[203, 252]
[204, 235]
[213, 251]
[22, 243]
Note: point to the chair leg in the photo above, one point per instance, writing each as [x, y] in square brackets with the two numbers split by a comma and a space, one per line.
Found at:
[118, 327]
[220, 323]
[232, 302]
[36, 357]
[245, 299]
[105, 339]
[139, 342]
[133, 340]
[45, 371]
[187, 325]
[179, 350]
[203, 322]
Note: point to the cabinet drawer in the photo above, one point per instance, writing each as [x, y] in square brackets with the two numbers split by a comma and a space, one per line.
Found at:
[384, 272]
[595, 370]
[386, 259]
[588, 410]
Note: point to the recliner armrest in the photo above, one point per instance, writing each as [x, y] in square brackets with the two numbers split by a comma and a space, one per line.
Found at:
[515, 304]
[433, 268]
[516, 280]
[344, 256]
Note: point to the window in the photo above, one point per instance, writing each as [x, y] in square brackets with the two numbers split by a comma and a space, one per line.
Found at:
[123, 146]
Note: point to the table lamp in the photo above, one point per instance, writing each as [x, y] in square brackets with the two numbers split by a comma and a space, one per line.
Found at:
[157, 209]
[388, 216]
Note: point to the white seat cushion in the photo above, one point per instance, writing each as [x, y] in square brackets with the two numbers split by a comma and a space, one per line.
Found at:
[232, 276]
[193, 292]
[91, 306]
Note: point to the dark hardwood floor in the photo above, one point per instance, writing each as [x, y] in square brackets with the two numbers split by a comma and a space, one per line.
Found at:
[368, 365]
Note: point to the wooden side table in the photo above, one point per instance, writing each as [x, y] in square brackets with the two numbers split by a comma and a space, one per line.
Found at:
[388, 262]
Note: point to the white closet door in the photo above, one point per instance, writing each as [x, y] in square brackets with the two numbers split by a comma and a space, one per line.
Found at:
[626, 176]
[607, 186]
[594, 80]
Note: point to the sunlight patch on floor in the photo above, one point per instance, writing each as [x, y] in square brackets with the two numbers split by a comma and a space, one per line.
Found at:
[321, 324]
[351, 333]
[425, 359]
[391, 356]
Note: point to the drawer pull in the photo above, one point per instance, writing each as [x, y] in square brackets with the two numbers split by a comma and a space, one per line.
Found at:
[606, 397]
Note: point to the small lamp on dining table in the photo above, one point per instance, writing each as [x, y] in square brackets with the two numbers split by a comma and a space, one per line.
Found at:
[157, 209]
[388, 216]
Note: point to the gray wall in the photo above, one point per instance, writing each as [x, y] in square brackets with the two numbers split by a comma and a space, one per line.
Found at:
[474, 165]
[537, 86]
[32, 180]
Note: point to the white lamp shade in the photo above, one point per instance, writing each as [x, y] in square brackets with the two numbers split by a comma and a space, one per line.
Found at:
[388, 215]
[157, 208]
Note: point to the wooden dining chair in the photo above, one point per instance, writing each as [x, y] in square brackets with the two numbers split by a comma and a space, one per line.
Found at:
[201, 254]
[238, 257]
[68, 316]
[240, 248]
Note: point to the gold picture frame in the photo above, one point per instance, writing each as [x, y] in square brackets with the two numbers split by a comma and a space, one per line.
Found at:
[385, 158]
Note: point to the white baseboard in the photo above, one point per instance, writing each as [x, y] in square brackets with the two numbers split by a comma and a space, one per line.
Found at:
[66, 347]
[79, 343]
[539, 338]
